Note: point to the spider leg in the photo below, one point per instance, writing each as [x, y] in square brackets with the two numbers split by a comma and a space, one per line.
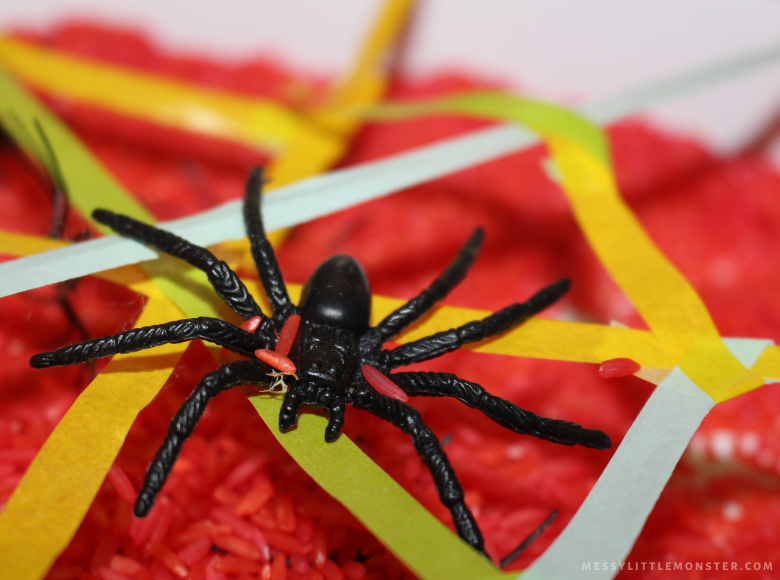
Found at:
[499, 410]
[288, 414]
[224, 280]
[449, 340]
[183, 423]
[405, 315]
[210, 329]
[335, 402]
[262, 252]
[428, 448]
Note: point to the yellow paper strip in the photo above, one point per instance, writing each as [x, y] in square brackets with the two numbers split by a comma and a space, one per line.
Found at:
[257, 122]
[52, 499]
[16, 244]
[663, 297]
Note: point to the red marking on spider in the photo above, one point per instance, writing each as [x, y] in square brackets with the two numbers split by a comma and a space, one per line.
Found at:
[384, 385]
[251, 324]
[287, 336]
[618, 367]
[278, 361]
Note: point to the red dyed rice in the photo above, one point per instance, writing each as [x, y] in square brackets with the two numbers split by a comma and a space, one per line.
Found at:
[122, 484]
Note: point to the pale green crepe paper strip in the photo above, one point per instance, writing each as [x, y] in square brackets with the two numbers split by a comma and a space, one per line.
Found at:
[88, 183]
[610, 519]
[404, 526]
[321, 195]
[540, 116]
[90, 186]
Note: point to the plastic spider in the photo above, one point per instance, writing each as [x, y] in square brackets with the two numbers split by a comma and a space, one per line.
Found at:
[335, 356]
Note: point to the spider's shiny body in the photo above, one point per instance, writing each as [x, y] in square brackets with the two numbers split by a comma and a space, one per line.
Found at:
[333, 347]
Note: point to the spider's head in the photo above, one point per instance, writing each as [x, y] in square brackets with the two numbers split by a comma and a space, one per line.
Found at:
[323, 354]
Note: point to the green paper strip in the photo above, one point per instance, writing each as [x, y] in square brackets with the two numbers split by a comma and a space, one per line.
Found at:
[90, 186]
[404, 526]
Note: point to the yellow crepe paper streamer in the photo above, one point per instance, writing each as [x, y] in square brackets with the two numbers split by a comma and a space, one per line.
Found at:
[669, 305]
[364, 86]
[16, 244]
[261, 123]
[58, 488]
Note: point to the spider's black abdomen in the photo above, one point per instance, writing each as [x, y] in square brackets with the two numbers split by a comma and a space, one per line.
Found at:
[337, 294]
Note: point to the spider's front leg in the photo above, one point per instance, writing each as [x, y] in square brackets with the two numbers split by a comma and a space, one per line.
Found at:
[262, 252]
[181, 427]
[226, 283]
[210, 329]
[499, 410]
[428, 448]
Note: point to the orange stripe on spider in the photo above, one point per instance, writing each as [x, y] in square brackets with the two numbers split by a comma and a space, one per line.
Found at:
[287, 336]
[274, 359]
[383, 385]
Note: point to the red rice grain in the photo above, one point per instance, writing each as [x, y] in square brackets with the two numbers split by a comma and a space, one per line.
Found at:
[319, 549]
[265, 519]
[240, 527]
[168, 559]
[331, 571]
[164, 521]
[305, 529]
[244, 471]
[108, 574]
[237, 546]
[286, 543]
[122, 484]
[353, 570]
[279, 567]
[158, 571]
[285, 514]
[211, 572]
[226, 496]
[105, 550]
[299, 563]
[350, 547]
[195, 551]
[314, 574]
[336, 537]
[198, 571]
[256, 498]
[237, 565]
[123, 515]
[266, 573]
[124, 565]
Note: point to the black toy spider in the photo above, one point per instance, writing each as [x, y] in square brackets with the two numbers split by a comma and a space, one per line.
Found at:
[338, 357]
